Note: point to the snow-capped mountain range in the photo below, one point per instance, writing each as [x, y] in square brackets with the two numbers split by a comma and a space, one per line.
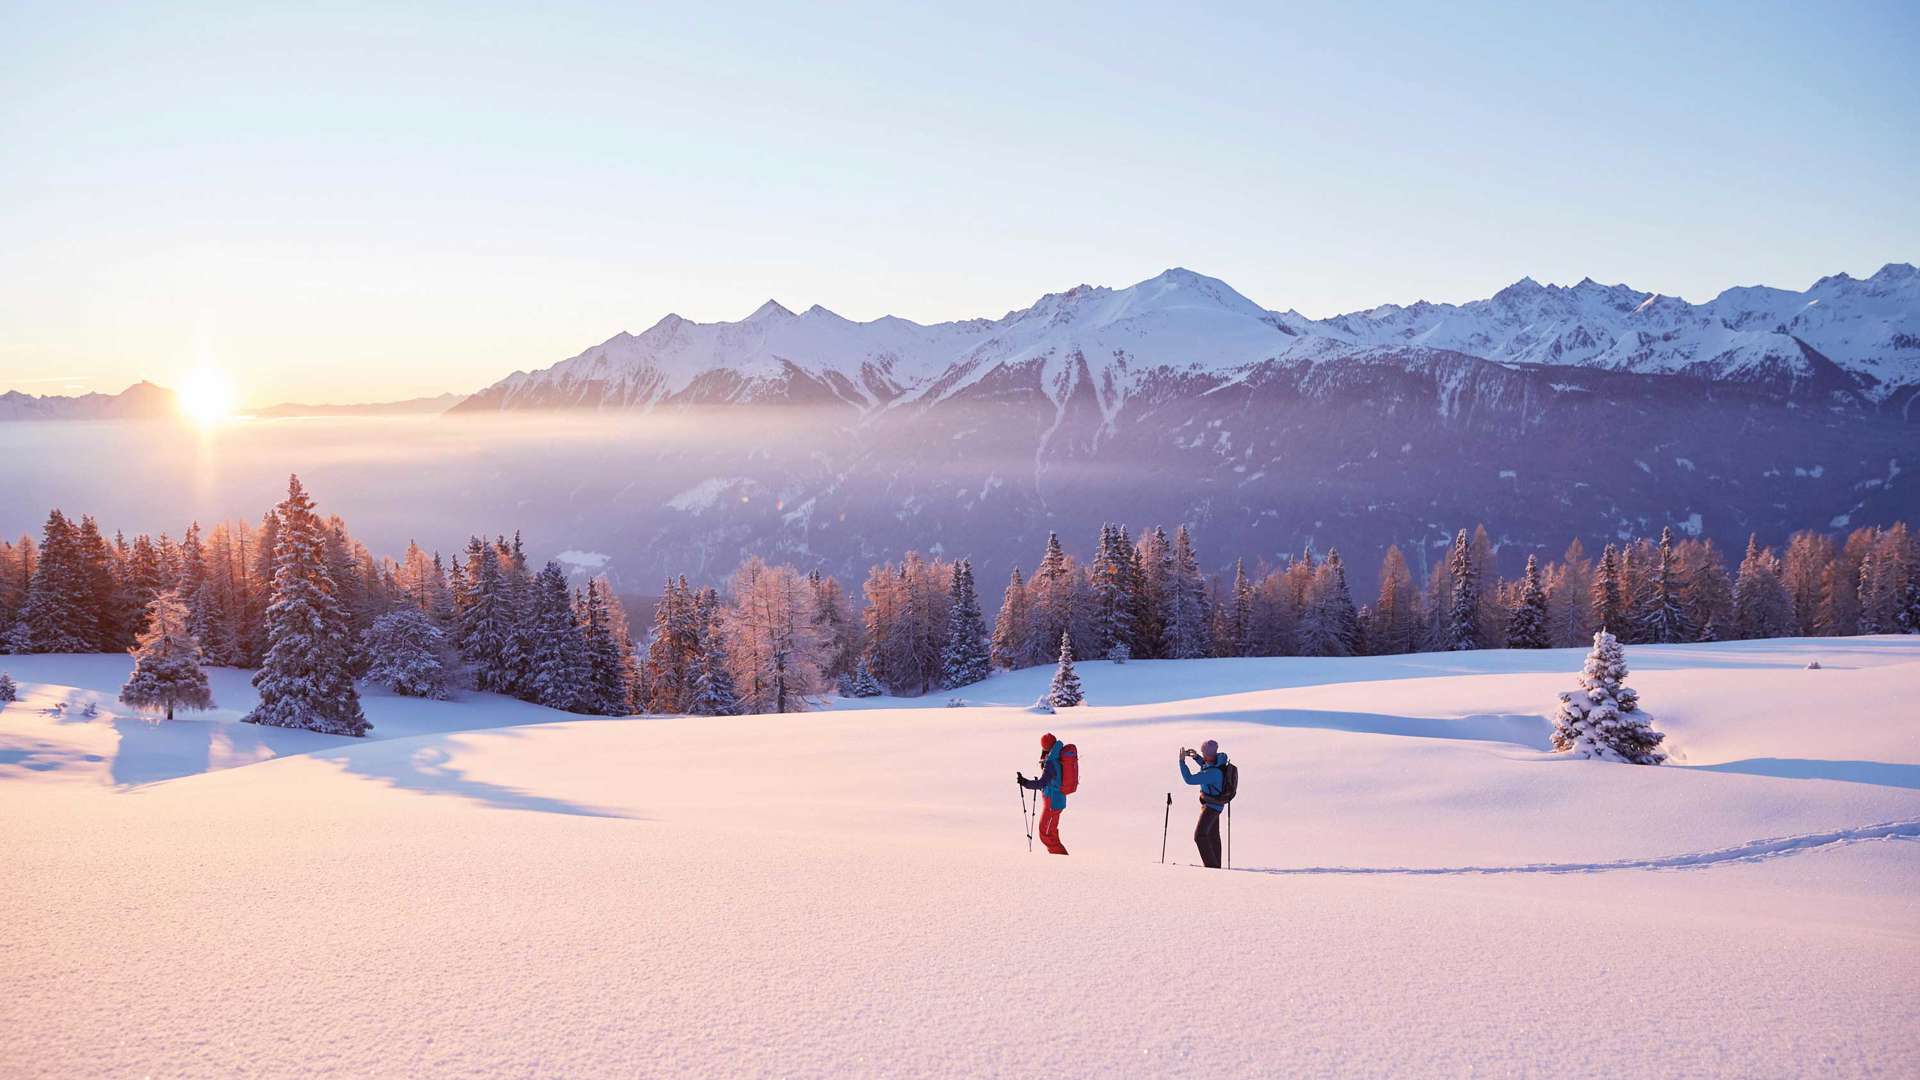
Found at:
[1545, 411]
[1841, 335]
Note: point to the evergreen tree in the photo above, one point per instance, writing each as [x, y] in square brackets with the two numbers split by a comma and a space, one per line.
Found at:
[1239, 613]
[1608, 593]
[1602, 719]
[487, 621]
[557, 667]
[1664, 620]
[1329, 625]
[1463, 609]
[1013, 626]
[1153, 566]
[56, 616]
[407, 653]
[166, 662]
[1115, 603]
[864, 684]
[714, 692]
[1527, 625]
[1186, 601]
[305, 680]
[8, 691]
[608, 658]
[1761, 606]
[1065, 690]
[111, 632]
[966, 660]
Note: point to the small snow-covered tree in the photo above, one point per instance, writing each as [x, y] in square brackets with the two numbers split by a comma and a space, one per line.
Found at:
[1527, 624]
[166, 661]
[1602, 719]
[8, 692]
[864, 684]
[407, 653]
[1065, 690]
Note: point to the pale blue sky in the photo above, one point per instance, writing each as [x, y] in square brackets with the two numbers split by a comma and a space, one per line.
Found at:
[355, 202]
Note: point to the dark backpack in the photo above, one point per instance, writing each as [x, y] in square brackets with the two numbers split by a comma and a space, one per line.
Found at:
[1229, 783]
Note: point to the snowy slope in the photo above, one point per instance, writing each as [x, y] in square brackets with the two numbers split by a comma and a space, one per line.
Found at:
[849, 892]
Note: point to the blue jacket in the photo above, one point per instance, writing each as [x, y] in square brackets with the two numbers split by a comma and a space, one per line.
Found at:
[1210, 779]
[1049, 779]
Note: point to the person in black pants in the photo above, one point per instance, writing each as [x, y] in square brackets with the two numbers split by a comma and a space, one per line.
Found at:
[1211, 780]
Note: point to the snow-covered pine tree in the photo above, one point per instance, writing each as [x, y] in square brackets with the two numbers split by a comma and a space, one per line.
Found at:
[1239, 614]
[714, 692]
[1664, 618]
[1329, 625]
[407, 653]
[56, 616]
[8, 691]
[1602, 719]
[166, 661]
[1608, 595]
[1463, 609]
[606, 690]
[556, 653]
[305, 680]
[1707, 593]
[1187, 616]
[1012, 626]
[487, 620]
[966, 660]
[1065, 690]
[1761, 606]
[110, 624]
[864, 684]
[1153, 564]
[1114, 601]
[1527, 624]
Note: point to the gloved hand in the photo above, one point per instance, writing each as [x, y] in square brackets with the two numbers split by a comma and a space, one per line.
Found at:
[1019, 778]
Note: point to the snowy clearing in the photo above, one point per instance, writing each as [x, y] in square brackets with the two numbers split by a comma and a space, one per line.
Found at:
[484, 887]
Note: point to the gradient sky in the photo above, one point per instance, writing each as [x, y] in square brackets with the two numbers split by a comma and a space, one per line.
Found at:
[342, 202]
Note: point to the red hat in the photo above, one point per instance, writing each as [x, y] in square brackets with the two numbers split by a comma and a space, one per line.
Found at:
[1047, 741]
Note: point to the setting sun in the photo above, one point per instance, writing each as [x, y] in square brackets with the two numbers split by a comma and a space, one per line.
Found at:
[206, 397]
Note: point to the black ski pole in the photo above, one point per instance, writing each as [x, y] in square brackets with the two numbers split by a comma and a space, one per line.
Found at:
[1229, 836]
[1164, 822]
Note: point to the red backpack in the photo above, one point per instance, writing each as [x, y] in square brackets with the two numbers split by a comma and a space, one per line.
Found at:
[1069, 769]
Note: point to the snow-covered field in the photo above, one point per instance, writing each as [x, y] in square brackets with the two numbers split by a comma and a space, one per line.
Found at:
[488, 888]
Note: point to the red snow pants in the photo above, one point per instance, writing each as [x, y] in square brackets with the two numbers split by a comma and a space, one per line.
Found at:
[1050, 830]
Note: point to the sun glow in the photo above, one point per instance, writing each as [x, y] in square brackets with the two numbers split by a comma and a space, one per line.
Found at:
[205, 397]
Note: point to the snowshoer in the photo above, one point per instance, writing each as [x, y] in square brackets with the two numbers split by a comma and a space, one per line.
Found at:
[1217, 781]
[1048, 783]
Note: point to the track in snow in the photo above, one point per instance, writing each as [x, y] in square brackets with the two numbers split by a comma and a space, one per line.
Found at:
[1751, 851]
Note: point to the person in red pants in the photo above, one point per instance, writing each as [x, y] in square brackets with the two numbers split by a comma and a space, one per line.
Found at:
[1048, 784]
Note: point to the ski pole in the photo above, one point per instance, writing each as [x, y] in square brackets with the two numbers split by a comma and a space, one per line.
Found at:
[1165, 820]
[1229, 836]
[1026, 822]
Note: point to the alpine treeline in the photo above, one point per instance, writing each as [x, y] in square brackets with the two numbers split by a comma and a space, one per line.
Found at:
[299, 598]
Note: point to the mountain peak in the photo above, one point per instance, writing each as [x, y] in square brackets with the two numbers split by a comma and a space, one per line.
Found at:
[772, 309]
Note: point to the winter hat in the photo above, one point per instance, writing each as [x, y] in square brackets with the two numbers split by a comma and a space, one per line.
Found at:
[1047, 741]
[1209, 748]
